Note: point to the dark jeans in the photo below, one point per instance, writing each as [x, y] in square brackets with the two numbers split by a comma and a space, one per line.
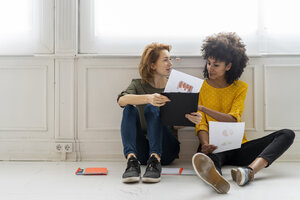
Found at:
[269, 147]
[160, 139]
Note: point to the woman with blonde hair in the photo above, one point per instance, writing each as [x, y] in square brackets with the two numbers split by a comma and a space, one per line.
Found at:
[145, 139]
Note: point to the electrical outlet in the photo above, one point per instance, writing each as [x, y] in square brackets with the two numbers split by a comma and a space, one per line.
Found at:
[58, 147]
[68, 147]
[63, 147]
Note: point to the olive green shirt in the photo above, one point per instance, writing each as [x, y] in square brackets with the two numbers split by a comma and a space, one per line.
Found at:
[137, 87]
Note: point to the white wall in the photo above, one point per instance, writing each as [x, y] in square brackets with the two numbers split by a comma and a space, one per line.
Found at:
[66, 97]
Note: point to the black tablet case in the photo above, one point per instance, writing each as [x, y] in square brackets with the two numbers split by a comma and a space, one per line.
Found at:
[173, 112]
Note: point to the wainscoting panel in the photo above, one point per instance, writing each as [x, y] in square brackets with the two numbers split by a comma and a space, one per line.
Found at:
[46, 100]
[27, 98]
[98, 87]
[282, 86]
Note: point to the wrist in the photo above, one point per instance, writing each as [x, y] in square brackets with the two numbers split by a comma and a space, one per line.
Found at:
[201, 108]
[148, 99]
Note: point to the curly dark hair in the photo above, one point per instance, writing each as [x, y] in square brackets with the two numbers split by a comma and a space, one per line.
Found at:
[228, 48]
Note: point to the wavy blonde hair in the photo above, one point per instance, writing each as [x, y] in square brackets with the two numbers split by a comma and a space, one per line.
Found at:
[149, 57]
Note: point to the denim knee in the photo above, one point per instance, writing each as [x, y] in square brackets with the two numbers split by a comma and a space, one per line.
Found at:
[151, 111]
[130, 110]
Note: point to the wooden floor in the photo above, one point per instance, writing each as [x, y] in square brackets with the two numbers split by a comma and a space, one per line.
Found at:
[57, 180]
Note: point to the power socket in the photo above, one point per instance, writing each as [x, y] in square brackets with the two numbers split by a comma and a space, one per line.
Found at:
[63, 147]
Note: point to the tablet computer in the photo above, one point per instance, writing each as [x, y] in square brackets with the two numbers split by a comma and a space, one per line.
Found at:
[173, 112]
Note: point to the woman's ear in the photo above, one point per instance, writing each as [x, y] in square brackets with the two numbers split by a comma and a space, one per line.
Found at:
[228, 67]
[153, 67]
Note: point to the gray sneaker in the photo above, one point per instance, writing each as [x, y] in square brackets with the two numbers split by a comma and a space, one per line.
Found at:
[242, 175]
[207, 171]
[153, 171]
[132, 172]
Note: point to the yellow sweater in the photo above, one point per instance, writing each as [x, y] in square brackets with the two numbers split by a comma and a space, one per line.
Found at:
[228, 100]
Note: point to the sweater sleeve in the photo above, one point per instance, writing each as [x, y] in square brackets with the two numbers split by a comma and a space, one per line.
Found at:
[131, 89]
[239, 103]
[203, 125]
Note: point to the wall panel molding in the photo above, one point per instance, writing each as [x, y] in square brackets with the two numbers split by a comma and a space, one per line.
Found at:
[27, 97]
[21, 72]
[251, 98]
[82, 109]
[64, 99]
[98, 113]
[281, 96]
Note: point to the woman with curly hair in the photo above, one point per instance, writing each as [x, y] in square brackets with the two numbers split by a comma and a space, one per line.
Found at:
[222, 98]
[145, 139]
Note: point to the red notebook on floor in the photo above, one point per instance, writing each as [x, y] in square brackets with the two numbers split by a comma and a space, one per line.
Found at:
[92, 171]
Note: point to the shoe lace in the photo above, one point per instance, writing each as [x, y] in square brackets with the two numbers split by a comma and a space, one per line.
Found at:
[153, 164]
[132, 163]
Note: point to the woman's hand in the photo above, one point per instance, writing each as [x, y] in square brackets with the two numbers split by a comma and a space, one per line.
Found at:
[208, 148]
[158, 99]
[194, 117]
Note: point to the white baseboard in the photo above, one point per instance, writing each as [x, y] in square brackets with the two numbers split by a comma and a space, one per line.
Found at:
[32, 150]
[93, 150]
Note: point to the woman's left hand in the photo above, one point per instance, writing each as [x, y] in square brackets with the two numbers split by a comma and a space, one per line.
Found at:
[194, 117]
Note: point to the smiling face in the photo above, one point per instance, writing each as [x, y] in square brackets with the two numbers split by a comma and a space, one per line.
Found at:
[162, 66]
[217, 69]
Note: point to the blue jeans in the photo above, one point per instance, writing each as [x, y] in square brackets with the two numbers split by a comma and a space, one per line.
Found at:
[160, 140]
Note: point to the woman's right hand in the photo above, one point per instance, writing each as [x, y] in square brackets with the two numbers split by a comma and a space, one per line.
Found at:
[158, 99]
[208, 148]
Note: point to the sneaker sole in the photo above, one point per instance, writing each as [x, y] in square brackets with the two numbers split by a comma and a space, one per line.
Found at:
[205, 169]
[131, 180]
[150, 180]
[233, 174]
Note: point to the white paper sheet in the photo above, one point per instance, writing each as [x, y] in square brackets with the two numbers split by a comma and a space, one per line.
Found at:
[226, 135]
[182, 82]
[177, 171]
